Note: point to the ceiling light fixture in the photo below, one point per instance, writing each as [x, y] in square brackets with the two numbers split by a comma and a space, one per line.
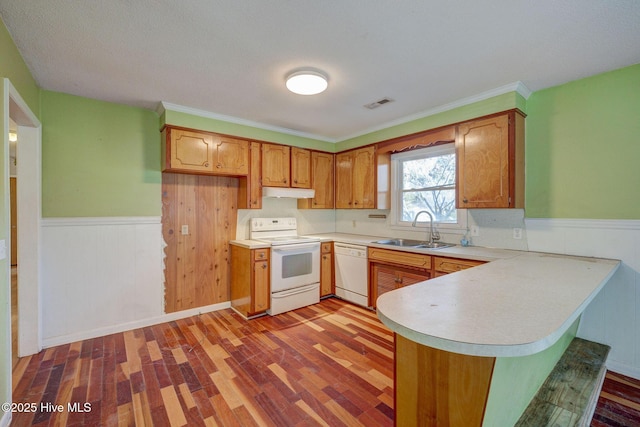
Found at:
[13, 137]
[307, 82]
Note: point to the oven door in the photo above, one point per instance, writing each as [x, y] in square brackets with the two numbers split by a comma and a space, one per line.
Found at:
[294, 265]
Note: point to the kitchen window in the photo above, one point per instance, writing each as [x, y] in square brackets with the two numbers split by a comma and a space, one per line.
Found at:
[425, 179]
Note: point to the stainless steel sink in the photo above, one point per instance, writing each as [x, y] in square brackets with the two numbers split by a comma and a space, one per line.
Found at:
[414, 243]
[434, 245]
[400, 242]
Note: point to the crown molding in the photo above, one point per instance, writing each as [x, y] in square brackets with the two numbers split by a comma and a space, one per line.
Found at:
[518, 87]
[167, 106]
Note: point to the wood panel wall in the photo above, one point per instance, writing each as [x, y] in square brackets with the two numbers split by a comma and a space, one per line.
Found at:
[197, 264]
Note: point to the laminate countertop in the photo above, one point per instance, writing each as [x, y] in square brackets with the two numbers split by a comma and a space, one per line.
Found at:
[518, 303]
[510, 307]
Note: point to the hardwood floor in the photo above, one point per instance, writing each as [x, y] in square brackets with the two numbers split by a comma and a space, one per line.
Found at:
[330, 364]
[619, 402]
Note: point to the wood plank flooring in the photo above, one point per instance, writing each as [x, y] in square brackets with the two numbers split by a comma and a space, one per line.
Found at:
[619, 402]
[330, 364]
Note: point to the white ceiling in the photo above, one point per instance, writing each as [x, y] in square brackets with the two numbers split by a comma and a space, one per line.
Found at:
[230, 57]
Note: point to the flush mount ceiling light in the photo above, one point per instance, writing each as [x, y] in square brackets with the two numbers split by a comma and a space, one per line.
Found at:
[13, 137]
[307, 82]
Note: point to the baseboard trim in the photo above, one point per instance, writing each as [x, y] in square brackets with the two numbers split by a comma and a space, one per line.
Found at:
[100, 332]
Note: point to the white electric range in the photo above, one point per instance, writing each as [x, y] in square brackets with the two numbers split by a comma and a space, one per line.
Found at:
[295, 263]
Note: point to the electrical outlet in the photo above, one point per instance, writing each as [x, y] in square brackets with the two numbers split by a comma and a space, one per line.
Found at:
[475, 230]
[517, 233]
[185, 230]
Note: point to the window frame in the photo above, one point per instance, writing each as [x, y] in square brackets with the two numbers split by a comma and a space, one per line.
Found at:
[395, 216]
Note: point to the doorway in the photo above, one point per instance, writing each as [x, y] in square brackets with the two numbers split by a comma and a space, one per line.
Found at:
[13, 192]
[26, 211]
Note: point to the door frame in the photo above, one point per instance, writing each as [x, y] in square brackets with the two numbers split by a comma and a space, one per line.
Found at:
[29, 208]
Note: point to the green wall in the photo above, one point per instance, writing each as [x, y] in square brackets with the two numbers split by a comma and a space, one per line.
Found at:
[583, 148]
[516, 381]
[13, 67]
[98, 158]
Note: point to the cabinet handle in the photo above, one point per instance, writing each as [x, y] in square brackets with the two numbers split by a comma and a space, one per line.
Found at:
[218, 165]
[284, 180]
[295, 181]
[206, 165]
[264, 266]
[464, 200]
[355, 203]
[324, 257]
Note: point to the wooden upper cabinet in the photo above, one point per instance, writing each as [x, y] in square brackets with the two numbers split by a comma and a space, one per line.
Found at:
[250, 189]
[344, 178]
[300, 168]
[322, 181]
[188, 151]
[275, 165]
[230, 156]
[355, 180]
[490, 162]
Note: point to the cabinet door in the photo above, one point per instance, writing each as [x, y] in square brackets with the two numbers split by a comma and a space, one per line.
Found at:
[261, 292]
[326, 273]
[384, 279]
[322, 175]
[249, 188]
[231, 156]
[190, 151]
[482, 151]
[363, 179]
[344, 168]
[300, 168]
[275, 165]
[406, 278]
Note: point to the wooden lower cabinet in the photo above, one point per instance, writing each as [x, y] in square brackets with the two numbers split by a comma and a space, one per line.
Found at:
[436, 388]
[327, 284]
[250, 288]
[442, 265]
[389, 270]
[387, 277]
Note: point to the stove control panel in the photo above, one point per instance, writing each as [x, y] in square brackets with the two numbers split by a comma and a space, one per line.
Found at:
[273, 224]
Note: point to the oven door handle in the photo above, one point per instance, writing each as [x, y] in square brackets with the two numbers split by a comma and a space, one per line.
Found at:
[295, 291]
[296, 247]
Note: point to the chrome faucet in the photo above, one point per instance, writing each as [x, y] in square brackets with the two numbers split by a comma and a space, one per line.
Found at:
[433, 235]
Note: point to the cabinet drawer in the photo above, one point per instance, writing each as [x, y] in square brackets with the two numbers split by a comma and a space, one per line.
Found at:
[451, 265]
[400, 257]
[326, 248]
[260, 254]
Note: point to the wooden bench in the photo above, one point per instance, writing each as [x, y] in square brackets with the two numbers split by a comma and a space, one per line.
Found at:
[569, 395]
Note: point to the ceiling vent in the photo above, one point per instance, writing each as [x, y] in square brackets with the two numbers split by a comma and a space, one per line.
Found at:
[378, 103]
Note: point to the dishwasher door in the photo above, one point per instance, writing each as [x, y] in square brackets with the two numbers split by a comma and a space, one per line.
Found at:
[351, 273]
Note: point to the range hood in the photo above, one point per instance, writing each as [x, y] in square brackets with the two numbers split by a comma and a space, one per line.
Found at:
[292, 193]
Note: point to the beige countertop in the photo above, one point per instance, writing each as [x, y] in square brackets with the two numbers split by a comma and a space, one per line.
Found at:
[519, 303]
[511, 307]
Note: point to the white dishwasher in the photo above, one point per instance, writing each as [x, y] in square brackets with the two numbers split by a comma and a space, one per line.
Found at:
[351, 273]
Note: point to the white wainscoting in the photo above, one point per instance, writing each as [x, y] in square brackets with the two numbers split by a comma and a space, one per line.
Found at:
[613, 318]
[99, 275]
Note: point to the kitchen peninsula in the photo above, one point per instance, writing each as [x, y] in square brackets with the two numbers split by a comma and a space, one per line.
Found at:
[472, 348]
